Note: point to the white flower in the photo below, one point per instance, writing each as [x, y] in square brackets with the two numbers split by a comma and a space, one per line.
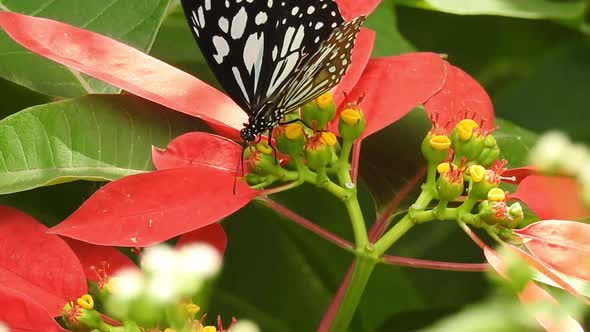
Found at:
[574, 157]
[127, 284]
[160, 259]
[199, 260]
[4, 328]
[162, 288]
[245, 326]
[548, 152]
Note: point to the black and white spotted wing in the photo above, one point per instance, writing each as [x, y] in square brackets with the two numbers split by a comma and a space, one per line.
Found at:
[253, 46]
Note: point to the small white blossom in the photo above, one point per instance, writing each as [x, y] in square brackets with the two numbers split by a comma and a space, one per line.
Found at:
[160, 259]
[200, 260]
[127, 284]
[162, 288]
[574, 157]
[548, 152]
[244, 326]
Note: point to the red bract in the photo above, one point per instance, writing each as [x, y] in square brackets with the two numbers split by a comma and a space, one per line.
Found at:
[198, 148]
[552, 197]
[22, 314]
[353, 8]
[145, 209]
[392, 86]
[212, 234]
[124, 67]
[561, 244]
[99, 261]
[461, 97]
[533, 294]
[516, 175]
[37, 264]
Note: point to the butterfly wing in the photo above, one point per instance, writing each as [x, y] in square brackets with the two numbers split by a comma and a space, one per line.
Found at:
[255, 46]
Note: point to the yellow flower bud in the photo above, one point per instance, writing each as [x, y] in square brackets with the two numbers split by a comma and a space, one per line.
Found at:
[496, 194]
[86, 301]
[263, 147]
[169, 330]
[328, 138]
[324, 101]
[477, 173]
[351, 116]
[209, 329]
[192, 309]
[440, 142]
[442, 168]
[293, 131]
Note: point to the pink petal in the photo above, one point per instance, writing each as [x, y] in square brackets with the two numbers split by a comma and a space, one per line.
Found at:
[38, 265]
[561, 244]
[145, 209]
[353, 8]
[124, 67]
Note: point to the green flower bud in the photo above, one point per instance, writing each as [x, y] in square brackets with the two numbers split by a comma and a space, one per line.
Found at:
[262, 160]
[515, 216]
[435, 148]
[481, 186]
[319, 112]
[450, 183]
[352, 122]
[81, 316]
[290, 139]
[489, 153]
[467, 140]
[319, 150]
[491, 212]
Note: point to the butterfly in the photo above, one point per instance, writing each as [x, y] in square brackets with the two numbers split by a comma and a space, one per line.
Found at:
[272, 56]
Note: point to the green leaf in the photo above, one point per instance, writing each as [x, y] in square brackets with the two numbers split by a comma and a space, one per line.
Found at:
[553, 95]
[532, 9]
[131, 22]
[514, 142]
[14, 98]
[93, 138]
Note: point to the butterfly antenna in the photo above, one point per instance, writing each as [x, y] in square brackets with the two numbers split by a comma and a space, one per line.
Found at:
[239, 165]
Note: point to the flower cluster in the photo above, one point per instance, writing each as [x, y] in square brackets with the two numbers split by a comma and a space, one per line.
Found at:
[159, 297]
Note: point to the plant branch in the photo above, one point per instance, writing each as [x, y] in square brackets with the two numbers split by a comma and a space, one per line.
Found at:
[310, 226]
[434, 265]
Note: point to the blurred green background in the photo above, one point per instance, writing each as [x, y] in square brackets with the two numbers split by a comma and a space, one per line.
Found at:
[532, 56]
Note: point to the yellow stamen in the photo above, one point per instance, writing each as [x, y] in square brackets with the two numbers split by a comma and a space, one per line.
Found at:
[351, 116]
[209, 329]
[169, 330]
[192, 309]
[442, 168]
[86, 301]
[293, 131]
[477, 173]
[328, 138]
[496, 195]
[465, 129]
[264, 147]
[440, 142]
[324, 101]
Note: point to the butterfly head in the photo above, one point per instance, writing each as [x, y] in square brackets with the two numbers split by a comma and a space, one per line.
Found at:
[247, 134]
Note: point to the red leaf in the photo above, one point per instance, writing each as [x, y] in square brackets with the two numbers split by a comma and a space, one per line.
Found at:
[353, 8]
[122, 66]
[519, 174]
[361, 53]
[22, 314]
[392, 86]
[533, 294]
[212, 234]
[563, 245]
[552, 197]
[145, 209]
[198, 148]
[37, 264]
[94, 258]
[461, 94]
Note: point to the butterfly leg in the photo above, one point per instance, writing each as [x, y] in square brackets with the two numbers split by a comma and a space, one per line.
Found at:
[271, 146]
[293, 121]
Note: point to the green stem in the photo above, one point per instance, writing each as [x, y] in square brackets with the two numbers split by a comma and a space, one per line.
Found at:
[362, 270]
[402, 226]
[359, 229]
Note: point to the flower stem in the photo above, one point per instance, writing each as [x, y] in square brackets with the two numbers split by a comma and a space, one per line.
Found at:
[359, 228]
[363, 268]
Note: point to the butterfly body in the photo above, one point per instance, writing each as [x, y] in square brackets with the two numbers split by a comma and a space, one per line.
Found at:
[272, 56]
